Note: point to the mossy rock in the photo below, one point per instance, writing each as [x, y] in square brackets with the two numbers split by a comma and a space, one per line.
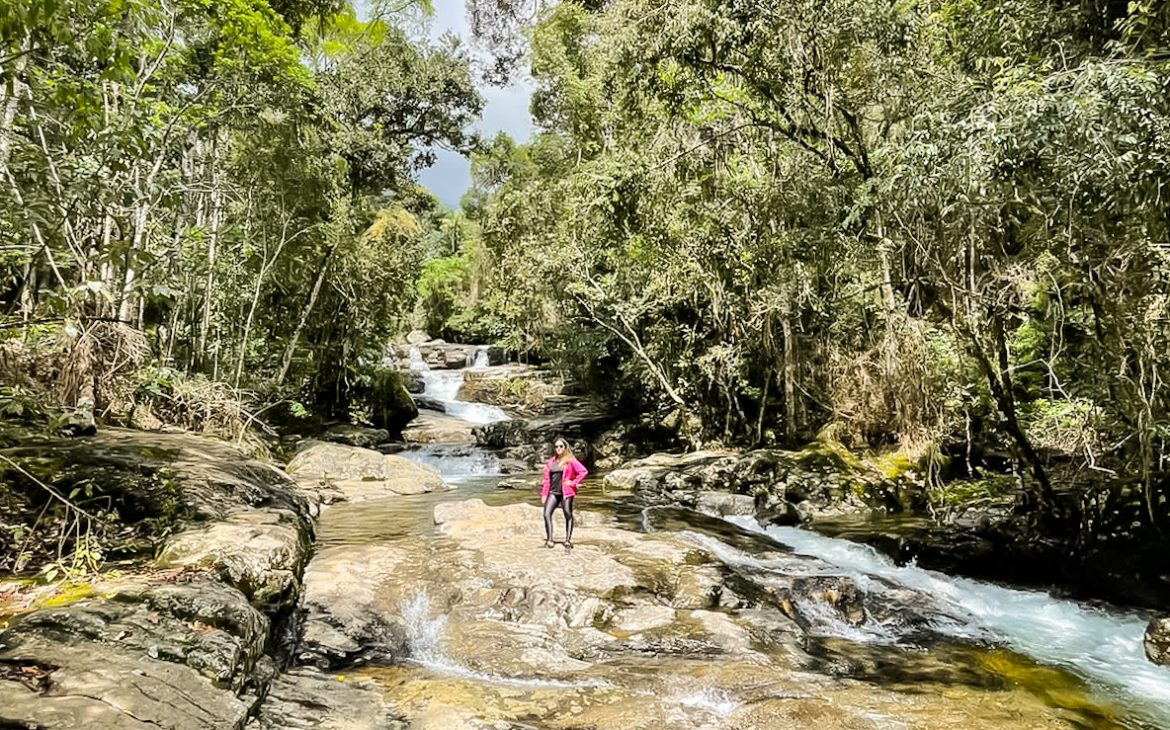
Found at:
[391, 406]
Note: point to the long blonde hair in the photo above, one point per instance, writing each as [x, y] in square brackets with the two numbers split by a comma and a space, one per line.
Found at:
[563, 458]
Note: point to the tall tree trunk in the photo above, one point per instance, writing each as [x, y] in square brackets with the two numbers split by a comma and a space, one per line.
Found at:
[214, 215]
[11, 88]
[127, 300]
[999, 381]
[789, 377]
[286, 361]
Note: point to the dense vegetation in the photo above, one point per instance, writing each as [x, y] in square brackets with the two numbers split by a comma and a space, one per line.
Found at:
[215, 188]
[938, 224]
[941, 225]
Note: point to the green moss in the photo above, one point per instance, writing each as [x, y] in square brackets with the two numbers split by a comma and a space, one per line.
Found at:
[894, 464]
[998, 488]
[1056, 687]
[829, 455]
[67, 593]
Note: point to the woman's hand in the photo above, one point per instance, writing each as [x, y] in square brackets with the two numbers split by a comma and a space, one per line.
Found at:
[543, 499]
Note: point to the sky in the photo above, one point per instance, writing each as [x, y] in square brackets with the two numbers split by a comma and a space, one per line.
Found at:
[505, 109]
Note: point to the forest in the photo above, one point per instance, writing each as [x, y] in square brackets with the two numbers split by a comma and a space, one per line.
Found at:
[940, 228]
[845, 322]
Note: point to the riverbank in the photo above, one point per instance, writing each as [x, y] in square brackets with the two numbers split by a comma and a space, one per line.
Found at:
[424, 606]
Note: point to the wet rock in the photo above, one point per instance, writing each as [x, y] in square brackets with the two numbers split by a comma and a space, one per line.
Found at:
[438, 354]
[174, 656]
[262, 553]
[670, 478]
[360, 474]
[519, 483]
[810, 598]
[514, 466]
[345, 622]
[356, 436]
[722, 504]
[307, 699]
[801, 486]
[428, 403]
[642, 618]
[1157, 641]
[432, 427]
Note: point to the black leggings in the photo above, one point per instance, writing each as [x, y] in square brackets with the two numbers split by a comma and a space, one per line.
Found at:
[550, 506]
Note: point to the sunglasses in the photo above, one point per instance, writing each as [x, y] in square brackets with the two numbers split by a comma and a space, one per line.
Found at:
[560, 446]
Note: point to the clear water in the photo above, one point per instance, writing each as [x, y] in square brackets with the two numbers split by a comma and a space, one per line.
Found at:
[1103, 647]
[443, 386]
[424, 632]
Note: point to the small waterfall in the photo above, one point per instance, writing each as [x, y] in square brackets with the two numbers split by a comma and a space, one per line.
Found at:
[444, 385]
[424, 634]
[1104, 647]
[480, 360]
[422, 630]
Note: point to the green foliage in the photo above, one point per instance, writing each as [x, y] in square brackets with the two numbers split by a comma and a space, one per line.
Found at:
[917, 224]
[233, 177]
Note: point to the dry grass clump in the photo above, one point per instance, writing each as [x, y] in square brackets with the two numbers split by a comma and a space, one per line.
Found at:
[104, 365]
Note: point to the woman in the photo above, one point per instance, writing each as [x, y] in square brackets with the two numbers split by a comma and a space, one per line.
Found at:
[562, 475]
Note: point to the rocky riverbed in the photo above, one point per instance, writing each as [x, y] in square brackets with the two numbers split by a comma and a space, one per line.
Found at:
[360, 591]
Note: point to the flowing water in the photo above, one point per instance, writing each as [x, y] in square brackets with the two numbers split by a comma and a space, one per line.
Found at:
[1101, 646]
[458, 463]
[443, 386]
[924, 633]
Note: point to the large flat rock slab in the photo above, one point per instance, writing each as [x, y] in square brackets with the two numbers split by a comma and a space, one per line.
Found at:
[183, 656]
[307, 699]
[357, 474]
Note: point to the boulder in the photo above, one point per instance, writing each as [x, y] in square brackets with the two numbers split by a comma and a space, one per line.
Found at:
[158, 478]
[818, 602]
[1157, 641]
[184, 656]
[428, 403]
[262, 553]
[414, 383]
[363, 473]
[437, 428]
[360, 436]
[440, 355]
[722, 504]
[389, 401]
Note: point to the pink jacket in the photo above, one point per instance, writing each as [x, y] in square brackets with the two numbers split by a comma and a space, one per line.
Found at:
[574, 473]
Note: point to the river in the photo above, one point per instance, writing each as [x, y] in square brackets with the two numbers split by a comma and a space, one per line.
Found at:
[929, 650]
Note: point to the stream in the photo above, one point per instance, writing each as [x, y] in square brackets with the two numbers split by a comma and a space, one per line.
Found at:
[928, 650]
